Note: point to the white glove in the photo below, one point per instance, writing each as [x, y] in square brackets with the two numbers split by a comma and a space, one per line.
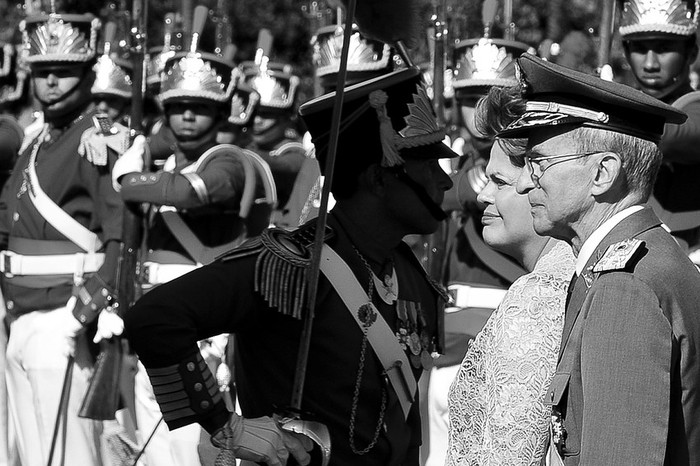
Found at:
[109, 324]
[260, 440]
[66, 325]
[606, 73]
[131, 161]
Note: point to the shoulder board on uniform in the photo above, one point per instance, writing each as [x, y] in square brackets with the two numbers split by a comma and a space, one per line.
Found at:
[280, 272]
[249, 247]
[103, 135]
[618, 255]
[287, 147]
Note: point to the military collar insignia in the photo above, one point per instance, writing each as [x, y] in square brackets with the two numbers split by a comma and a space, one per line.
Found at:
[618, 255]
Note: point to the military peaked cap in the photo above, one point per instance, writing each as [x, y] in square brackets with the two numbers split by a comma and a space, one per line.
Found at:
[561, 96]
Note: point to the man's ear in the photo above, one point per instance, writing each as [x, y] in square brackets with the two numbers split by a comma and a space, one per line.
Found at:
[608, 173]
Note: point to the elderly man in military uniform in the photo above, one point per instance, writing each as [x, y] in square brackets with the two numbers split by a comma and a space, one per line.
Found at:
[627, 380]
[376, 321]
[660, 44]
[60, 221]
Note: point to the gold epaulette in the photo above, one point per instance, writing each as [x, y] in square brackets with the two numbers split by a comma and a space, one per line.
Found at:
[280, 272]
[618, 255]
[103, 135]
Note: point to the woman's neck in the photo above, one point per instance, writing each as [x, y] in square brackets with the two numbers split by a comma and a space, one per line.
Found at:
[532, 255]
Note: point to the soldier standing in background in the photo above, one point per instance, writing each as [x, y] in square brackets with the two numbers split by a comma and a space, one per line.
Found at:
[660, 44]
[60, 225]
[275, 136]
[200, 201]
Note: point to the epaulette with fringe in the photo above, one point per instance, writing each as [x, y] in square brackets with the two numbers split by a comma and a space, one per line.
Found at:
[280, 272]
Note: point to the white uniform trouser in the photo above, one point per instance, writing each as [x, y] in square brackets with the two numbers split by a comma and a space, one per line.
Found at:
[36, 367]
[438, 415]
[166, 448]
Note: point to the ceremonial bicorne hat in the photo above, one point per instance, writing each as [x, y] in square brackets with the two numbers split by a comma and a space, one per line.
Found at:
[367, 58]
[385, 120]
[112, 71]
[558, 96]
[643, 18]
[274, 82]
[60, 39]
[196, 75]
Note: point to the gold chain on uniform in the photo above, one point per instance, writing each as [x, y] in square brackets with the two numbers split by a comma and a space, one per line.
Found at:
[360, 370]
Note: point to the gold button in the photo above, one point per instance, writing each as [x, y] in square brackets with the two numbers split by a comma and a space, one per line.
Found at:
[15, 216]
[198, 387]
[190, 366]
[204, 404]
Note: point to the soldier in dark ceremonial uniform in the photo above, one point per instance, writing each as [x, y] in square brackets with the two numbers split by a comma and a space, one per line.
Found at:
[659, 38]
[376, 321]
[199, 201]
[60, 225]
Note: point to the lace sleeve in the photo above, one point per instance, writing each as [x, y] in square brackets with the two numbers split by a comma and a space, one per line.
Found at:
[497, 414]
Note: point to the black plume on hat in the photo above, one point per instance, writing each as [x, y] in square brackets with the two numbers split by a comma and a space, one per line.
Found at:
[561, 96]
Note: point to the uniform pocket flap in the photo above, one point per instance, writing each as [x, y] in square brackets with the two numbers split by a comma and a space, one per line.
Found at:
[560, 382]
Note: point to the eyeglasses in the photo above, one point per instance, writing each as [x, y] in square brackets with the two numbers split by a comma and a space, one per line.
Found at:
[538, 165]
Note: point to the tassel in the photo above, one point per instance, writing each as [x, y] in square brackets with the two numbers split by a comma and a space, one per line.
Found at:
[390, 154]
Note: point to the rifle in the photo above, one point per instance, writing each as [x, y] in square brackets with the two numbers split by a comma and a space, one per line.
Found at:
[102, 398]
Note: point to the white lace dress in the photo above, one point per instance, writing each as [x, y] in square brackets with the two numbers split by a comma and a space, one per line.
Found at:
[497, 413]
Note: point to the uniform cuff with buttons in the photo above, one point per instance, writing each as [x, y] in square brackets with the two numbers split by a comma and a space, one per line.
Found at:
[187, 392]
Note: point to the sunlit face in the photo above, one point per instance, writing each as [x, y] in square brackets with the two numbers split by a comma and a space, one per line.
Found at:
[659, 65]
[190, 120]
[506, 218]
[404, 206]
[58, 89]
[563, 192]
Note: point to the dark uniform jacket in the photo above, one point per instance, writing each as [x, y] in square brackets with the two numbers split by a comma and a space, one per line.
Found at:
[211, 213]
[81, 188]
[166, 324]
[632, 332]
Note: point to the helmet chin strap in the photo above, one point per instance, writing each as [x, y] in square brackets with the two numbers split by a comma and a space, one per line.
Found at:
[434, 209]
[63, 96]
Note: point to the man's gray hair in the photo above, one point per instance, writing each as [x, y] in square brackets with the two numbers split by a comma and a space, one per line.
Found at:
[641, 159]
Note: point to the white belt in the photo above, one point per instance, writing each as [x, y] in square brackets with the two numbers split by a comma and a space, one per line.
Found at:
[12, 264]
[156, 273]
[464, 296]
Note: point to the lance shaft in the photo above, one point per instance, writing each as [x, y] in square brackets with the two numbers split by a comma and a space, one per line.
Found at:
[314, 269]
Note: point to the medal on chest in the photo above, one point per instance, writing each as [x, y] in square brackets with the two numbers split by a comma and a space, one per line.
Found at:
[412, 333]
